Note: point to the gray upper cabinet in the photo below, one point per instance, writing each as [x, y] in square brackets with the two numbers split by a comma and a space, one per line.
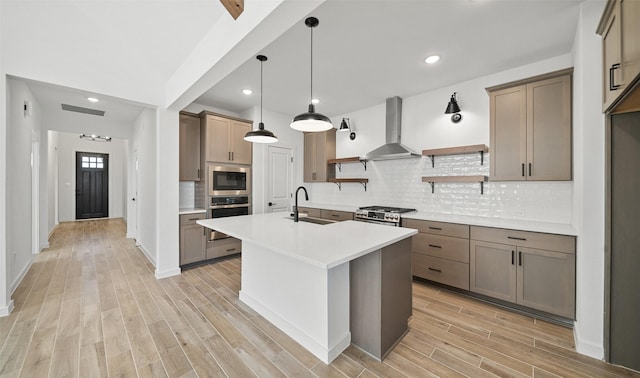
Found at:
[189, 147]
[223, 139]
[530, 127]
[319, 148]
[619, 28]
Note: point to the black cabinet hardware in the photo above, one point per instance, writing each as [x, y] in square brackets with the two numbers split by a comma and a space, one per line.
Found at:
[515, 238]
[529, 169]
[435, 228]
[434, 246]
[435, 270]
[520, 258]
[231, 249]
[522, 169]
[612, 86]
[513, 257]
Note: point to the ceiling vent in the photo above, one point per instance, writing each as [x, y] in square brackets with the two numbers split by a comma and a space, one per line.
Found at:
[79, 109]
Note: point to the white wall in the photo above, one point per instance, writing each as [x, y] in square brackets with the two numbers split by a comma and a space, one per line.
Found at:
[68, 145]
[278, 124]
[21, 132]
[6, 304]
[143, 211]
[425, 126]
[589, 179]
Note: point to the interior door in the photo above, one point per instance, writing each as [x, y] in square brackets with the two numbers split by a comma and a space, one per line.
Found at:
[92, 185]
[279, 178]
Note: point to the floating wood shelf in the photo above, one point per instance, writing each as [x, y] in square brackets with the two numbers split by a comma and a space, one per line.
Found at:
[354, 159]
[339, 181]
[434, 179]
[481, 148]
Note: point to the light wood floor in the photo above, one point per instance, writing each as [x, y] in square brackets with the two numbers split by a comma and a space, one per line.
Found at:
[91, 307]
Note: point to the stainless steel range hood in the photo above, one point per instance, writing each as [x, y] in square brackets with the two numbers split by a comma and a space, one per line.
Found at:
[393, 149]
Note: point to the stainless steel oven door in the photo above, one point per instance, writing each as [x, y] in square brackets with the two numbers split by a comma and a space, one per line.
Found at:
[392, 224]
[229, 181]
[223, 211]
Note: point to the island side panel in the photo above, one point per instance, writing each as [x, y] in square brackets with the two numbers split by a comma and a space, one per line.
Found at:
[308, 303]
[397, 291]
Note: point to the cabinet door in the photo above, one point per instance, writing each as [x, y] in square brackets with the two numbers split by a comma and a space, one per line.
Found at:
[549, 129]
[508, 133]
[217, 139]
[310, 157]
[240, 148]
[611, 56]
[189, 148]
[546, 281]
[630, 30]
[492, 270]
[192, 244]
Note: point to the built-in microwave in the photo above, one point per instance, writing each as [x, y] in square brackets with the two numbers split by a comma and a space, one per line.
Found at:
[229, 181]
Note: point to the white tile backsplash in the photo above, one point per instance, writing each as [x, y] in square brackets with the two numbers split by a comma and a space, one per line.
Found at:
[399, 183]
[187, 194]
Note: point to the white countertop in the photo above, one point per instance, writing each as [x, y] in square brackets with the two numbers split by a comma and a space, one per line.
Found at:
[191, 210]
[325, 246]
[514, 224]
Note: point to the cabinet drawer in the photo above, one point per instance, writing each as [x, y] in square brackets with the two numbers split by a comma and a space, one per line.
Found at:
[186, 219]
[444, 247]
[223, 247]
[438, 228]
[452, 273]
[336, 215]
[550, 242]
[309, 211]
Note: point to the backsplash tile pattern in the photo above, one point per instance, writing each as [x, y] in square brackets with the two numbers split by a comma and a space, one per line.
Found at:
[399, 183]
[187, 194]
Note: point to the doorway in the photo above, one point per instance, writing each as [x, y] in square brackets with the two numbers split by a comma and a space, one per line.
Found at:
[92, 185]
[279, 178]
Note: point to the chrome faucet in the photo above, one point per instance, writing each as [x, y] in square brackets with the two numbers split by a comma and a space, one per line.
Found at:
[306, 197]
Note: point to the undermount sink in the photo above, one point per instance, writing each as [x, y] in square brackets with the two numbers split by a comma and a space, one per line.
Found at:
[319, 221]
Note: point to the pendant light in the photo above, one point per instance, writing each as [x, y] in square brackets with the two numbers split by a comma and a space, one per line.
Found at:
[454, 109]
[261, 135]
[311, 121]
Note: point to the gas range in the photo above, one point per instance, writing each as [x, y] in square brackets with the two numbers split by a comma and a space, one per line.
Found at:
[382, 214]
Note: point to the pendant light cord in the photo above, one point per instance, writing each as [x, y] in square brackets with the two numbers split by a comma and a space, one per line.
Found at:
[311, 86]
[261, 93]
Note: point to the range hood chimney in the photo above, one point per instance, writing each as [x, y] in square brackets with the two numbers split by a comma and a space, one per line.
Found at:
[393, 149]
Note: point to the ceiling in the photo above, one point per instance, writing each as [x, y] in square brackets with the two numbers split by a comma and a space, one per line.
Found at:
[366, 51]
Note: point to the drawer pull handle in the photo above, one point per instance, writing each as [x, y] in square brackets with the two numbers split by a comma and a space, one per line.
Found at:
[435, 228]
[612, 86]
[231, 249]
[191, 219]
[434, 246]
[335, 215]
[515, 238]
[435, 270]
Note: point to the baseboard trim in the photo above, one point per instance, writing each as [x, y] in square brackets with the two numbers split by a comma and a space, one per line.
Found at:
[23, 273]
[6, 310]
[149, 256]
[585, 347]
[167, 273]
[51, 231]
[130, 236]
[44, 246]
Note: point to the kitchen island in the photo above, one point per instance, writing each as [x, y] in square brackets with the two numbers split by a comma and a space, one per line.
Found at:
[326, 286]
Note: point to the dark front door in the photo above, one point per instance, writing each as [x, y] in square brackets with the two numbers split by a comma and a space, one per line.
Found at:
[92, 185]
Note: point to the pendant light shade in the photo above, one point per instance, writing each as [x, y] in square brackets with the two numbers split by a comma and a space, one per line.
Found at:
[261, 135]
[454, 109]
[311, 121]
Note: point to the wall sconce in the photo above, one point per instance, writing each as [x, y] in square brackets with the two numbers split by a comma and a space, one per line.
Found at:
[346, 126]
[454, 109]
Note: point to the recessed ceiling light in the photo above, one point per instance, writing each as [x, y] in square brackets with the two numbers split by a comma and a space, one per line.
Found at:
[92, 99]
[432, 59]
[247, 91]
[315, 101]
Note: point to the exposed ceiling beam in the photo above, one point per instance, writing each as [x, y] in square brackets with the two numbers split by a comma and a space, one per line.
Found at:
[234, 7]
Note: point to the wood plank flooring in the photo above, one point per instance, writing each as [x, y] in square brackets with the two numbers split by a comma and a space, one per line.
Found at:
[90, 306]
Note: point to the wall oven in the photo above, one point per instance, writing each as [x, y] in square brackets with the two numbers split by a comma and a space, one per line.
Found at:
[229, 181]
[227, 206]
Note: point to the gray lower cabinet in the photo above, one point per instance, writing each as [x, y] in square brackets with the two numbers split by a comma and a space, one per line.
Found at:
[440, 252]
[192, 239]
[534, 270]
[223, 247]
